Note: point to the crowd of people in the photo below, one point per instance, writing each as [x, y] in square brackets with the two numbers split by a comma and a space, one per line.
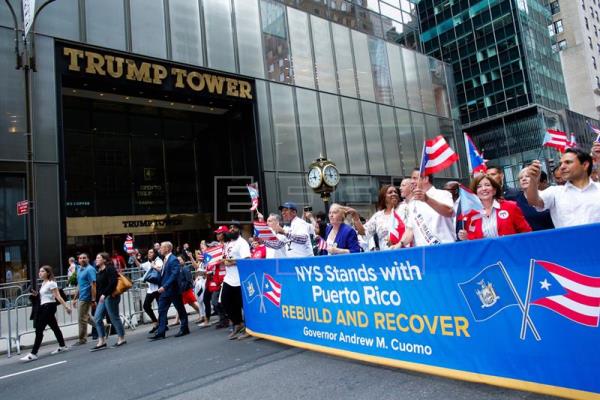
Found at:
[414, 214]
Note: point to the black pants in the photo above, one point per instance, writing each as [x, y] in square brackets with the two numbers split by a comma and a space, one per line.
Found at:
[150, 297]
[45, 316]
[206, 301]
[231, 297]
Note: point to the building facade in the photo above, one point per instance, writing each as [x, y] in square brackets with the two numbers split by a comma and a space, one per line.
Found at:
[575, 26]
[509, 81]
[151, 116]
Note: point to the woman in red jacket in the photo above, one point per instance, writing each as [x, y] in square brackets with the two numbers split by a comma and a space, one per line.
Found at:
[499, 217]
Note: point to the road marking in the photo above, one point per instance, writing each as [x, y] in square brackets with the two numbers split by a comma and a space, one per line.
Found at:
[31, 370]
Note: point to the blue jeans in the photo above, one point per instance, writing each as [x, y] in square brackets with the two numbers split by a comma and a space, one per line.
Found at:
[110, 306]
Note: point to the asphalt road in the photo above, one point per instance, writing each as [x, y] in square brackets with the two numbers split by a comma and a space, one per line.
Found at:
[205, 365]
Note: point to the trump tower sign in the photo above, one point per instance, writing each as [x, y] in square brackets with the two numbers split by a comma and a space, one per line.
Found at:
[518, 311]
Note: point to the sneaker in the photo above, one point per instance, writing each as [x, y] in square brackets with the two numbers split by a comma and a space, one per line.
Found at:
[61, 349]
[29, 357]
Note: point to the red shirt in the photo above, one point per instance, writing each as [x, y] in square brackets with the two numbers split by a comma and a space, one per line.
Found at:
[259, 251]
[509, 219]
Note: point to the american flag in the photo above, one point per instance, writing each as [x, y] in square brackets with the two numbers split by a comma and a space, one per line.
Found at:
[437, 155]
[556, 139]
[263, 231]
[213, 255]
[397, 229]
[271, 289]
[573, 295]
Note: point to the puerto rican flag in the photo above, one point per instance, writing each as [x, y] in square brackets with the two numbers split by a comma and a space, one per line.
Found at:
[573, 295]
[474, 157]
[128, 244]
[437, 155]
[470, 205]
[213, 255]
[263, 231]
[271, 289]
[321, 243]
[397, 229]
[253, 191]
[595, 130]
[556, 139]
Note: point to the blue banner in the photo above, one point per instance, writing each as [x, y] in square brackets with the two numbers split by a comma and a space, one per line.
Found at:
[519, 311]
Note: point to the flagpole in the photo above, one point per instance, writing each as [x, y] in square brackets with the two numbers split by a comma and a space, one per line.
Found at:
[262, 308]
[527, 299]
[526, 317]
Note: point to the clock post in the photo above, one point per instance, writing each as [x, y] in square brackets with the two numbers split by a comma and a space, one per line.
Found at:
[323, 177]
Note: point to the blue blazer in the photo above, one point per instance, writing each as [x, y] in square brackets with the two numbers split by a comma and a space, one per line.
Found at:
[170, 276]
[346, 238]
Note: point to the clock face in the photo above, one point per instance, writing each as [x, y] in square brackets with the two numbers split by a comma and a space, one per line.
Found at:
[331, 176]
[315, 177]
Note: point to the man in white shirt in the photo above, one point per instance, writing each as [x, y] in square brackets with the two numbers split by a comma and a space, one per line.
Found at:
[297, 233]
[431, 212]
[231, 294]
[276, 248]
[577, 202]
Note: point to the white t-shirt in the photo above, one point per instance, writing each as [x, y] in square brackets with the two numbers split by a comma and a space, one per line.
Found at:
[152, 287]
[428, 226]
[571, 206]
[295, 233]
[46, 295]
[280, 252]
[235, 250]
[381, 223]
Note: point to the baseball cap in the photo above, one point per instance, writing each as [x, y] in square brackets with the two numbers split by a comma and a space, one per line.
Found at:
[222, 229]
[288, 204]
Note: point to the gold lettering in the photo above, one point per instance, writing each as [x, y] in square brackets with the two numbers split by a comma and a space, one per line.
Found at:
[160, 73]
[379, 320]
[95, 63]
[446, 325]
[179, 74]
[197, 86]
[110, 66]
[232, 87]
[284, 311]
[214, 83]
[141, 73]
[74, 56]
[245, 89]
[462, 325]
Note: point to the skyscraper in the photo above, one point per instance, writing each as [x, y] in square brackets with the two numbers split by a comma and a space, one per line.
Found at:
[508, 79]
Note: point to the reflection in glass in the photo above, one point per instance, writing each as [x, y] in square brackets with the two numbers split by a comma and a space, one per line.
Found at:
[291, 188]
[60, 19]
[390, 141]
[440, 94]
[186, 38]
[373, 138]
[247, 25]
[264, 122]
[332, 127]
[302, 61]
[407, 141]
[148, 28]
[343, 58]
[148, 175]
[324, 65]
[276, 51]
[419, 129]
[310, 128]
[397, 75]
[354, 136]
[99, 15]
[412, 80]
[219, 34]
[425, 83]
[284, 129]
[381, 71]
[364, 73]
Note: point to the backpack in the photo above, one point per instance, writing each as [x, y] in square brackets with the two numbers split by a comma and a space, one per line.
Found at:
[185, 279]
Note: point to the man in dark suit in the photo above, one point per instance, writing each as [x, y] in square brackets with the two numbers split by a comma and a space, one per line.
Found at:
[170, 293]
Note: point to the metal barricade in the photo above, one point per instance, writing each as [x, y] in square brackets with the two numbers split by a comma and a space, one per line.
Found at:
[11, 291]
[5, 332]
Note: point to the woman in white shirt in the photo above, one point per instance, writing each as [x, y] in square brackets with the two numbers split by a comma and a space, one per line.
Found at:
[48, 295]
[152, 292]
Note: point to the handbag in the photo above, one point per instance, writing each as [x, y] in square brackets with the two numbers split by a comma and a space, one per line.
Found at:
[152, 276]
[123, 285]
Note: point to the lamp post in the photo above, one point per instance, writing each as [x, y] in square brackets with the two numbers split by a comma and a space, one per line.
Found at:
[323, 177]
[25, 60]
